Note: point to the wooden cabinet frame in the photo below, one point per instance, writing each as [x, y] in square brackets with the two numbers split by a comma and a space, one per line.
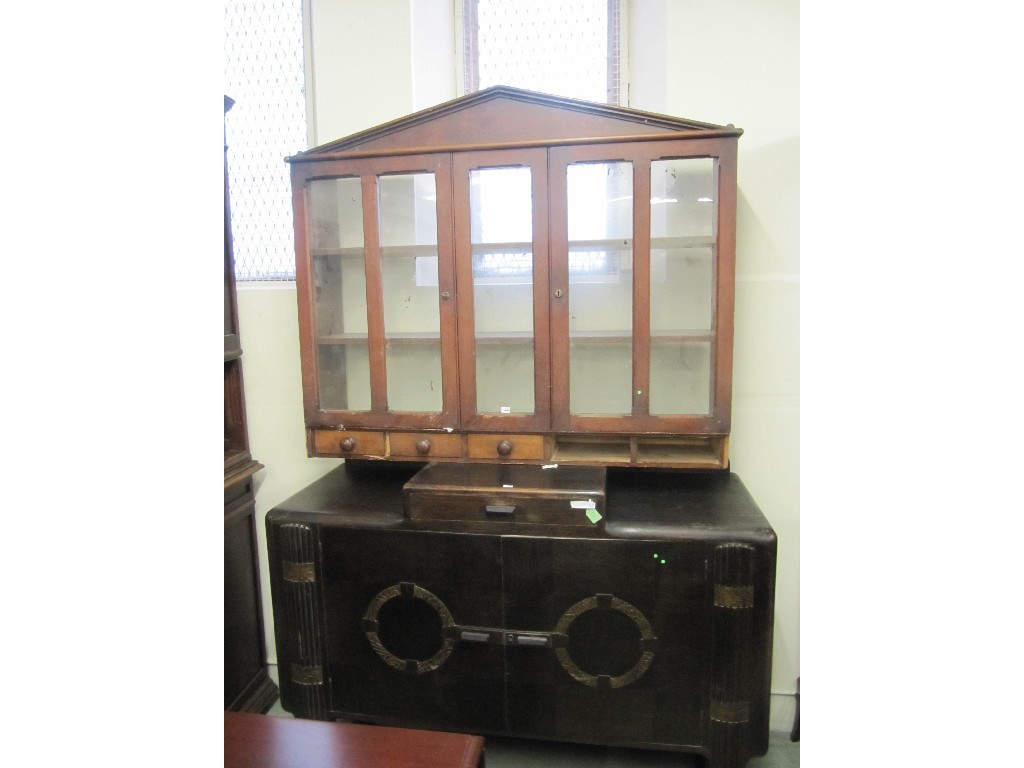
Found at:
[367, 170]
[504, 127]
[536, 160]
[641, 155]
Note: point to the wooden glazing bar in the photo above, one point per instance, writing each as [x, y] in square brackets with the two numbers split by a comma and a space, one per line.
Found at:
[374, 297]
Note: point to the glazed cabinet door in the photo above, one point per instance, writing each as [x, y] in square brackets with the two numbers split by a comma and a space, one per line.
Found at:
[642, 251]
[502, 273]
[376, 291]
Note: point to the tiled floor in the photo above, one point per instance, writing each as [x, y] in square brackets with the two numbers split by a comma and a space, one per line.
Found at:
[520, 753]
[526, 753]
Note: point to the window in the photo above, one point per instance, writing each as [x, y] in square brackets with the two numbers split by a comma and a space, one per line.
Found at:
[563, 47]
[264, 74]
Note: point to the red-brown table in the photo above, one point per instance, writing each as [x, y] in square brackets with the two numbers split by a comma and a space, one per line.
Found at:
[265, 741]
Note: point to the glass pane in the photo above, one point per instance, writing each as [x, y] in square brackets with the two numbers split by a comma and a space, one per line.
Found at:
[344, 376]
[601, 377]
[407, 206]
[683, 212]
[600, 220]
[501, 224]
[336, 210]
[680, 378]
[682, 290]
[339, 293]
[683, 198]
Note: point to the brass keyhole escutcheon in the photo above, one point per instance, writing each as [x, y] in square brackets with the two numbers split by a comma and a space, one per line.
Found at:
[558, 293]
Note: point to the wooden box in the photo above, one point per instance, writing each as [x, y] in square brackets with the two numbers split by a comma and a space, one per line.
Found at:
[512, 493]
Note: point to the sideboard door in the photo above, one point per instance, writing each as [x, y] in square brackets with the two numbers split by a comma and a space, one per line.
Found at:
[627, 659]
[398, 608]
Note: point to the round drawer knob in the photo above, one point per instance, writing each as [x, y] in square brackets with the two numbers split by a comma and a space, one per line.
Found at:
[348, 444]
[504, 447]
[423, 447]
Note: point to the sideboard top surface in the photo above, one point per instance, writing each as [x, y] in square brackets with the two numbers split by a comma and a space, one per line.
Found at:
[640, 504]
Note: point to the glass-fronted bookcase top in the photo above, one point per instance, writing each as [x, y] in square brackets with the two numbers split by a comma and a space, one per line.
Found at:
[584, 286]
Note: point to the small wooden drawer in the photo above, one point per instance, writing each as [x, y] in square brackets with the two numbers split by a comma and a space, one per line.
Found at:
[499, 447]
[335, 442]
[425, 445]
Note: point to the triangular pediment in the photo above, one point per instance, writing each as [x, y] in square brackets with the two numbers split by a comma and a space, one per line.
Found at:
[501, 115]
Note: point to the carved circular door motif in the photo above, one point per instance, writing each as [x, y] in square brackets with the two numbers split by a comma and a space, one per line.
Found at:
[408, 628]
[604, 642]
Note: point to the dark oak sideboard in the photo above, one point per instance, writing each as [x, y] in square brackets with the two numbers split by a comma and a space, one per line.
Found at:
[650, 627]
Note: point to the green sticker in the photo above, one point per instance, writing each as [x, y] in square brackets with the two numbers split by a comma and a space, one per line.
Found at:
[593, 515]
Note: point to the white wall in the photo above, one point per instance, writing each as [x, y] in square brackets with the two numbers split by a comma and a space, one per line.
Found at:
[735, 61]
[724, 61]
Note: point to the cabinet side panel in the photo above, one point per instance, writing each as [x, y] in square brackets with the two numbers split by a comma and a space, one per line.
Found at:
[243, 632]
[297, 614]
[732, 686]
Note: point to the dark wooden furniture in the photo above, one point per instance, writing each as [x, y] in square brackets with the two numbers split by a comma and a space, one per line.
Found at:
[652, 629]
[261, 741]
[247, 686]
[506, 285]
[517, 277]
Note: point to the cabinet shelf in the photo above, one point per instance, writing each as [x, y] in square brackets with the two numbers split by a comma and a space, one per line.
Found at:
[405, 251]
[671, 337]
[657, 337]
[626, 244]
[353, 251]
[342, 339]
[391, 338]
[505, 337]
[671, 243]
[583, 337]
